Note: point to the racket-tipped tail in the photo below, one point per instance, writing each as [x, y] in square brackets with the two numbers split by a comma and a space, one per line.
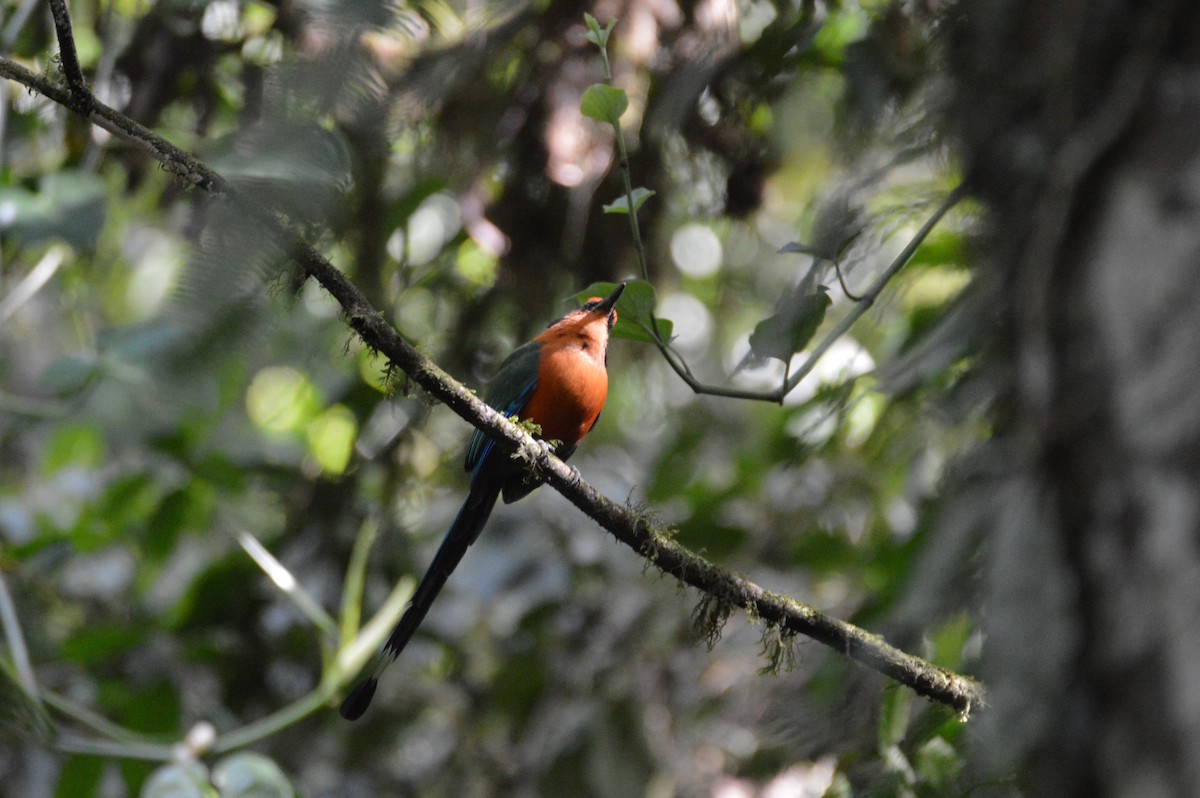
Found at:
[359, 698]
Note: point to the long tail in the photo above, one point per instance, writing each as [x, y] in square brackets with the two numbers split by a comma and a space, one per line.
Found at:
[463, 532]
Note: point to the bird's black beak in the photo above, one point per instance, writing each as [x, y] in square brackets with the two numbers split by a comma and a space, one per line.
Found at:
[607, 304]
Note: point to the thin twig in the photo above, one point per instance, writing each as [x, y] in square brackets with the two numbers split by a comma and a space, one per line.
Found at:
[837, 267]
[680, 367]
[16, 23]
[34, 407]
[15, 640]
[152, 752]
[626, 176]
[350, 660]
[627, 179]
[352, 656]
[864, 303]
[627, 526]
[95, 721]
[278, 721]
[33, 282]
[925, 678]
[278, 573]
[134, 745]
[868, 299]
[352, 588]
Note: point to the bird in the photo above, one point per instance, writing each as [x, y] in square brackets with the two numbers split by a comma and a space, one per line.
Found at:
[559, 381]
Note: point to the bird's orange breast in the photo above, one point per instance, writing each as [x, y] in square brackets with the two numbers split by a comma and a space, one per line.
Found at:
[571, 389]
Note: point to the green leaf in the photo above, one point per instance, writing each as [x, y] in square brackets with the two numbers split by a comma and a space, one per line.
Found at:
[74, 444]
[840, 29]
[68, 375]
[937, 763]
[596, 34]
[640, 195]
[151, 709]
[80, 776]
[251, 775]
[631, 331]
[604, 103]
[222, 472]
[839, 788]
[949, 639]
[330, 438]
[941, 248]
[893, 718]
[179, 780]
[139, 341]
[70, 206]
[94, 645]
[793, 325]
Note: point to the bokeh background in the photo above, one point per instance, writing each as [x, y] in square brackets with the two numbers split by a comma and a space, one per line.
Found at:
[169, 391]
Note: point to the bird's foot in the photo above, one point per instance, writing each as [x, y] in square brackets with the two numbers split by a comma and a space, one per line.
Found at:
[551, 447]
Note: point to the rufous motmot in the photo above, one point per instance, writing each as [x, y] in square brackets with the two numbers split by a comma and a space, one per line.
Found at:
[559, 381]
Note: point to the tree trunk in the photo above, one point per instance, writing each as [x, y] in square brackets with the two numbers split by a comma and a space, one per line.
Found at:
[1080, 124]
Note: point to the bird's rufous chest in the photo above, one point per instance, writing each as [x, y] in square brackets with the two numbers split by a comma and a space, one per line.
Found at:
[571, 389]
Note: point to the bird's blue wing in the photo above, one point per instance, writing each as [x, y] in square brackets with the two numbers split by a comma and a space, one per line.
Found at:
[509, 391]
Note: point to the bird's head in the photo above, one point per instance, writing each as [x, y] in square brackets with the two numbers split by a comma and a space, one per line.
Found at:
[607, 306]
[593, 321]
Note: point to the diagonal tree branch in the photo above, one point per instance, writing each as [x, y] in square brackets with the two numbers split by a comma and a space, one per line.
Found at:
[728, 589]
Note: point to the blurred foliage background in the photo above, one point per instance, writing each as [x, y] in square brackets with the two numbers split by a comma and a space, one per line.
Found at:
[165, 389]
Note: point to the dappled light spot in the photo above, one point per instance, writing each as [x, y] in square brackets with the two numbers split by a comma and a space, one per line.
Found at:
[475, 264]
[281, 399]
[330, 438]
[435, 222]
[693, 322]
[578, 151]
[865, 409]
[99, 574]
[220, 21]
[158, 264]
[845, 359]
[696, 250]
